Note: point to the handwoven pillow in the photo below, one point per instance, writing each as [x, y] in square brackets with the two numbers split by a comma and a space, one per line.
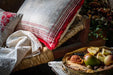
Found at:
[8, 22]
[48, 19]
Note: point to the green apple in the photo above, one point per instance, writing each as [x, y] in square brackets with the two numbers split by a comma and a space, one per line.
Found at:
[91, 60]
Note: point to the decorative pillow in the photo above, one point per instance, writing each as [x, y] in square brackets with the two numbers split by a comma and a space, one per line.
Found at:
[48, 19]
[8, 22]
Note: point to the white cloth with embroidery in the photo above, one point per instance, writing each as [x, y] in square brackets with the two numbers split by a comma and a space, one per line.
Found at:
[19, 44]
[8, 22]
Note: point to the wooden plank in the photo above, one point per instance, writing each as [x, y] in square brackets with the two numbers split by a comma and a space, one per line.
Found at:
[61, 51]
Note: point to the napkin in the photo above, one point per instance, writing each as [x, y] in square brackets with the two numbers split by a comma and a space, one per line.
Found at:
[20, 44]
[57, 67]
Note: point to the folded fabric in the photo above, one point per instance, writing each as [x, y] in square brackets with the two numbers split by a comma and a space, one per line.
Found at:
[20, 44]
[8, 22]
[48, 19]
[57, 67]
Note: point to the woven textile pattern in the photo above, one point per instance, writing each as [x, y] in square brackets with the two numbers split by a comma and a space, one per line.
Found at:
[48, 19]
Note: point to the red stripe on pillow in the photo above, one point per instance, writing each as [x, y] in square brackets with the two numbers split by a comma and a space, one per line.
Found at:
[63, 19]
[51, 45]
[51, 39]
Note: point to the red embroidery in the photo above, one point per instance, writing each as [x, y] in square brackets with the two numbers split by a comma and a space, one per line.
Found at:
[5, 19]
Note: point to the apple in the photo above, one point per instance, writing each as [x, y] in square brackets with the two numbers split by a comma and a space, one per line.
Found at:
[91, 60]
[76, 59]
[108, 60]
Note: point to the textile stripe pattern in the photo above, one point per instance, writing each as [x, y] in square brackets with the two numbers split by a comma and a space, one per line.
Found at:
[49, 20]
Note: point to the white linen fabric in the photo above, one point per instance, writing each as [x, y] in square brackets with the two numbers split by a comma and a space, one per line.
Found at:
[8, 22]
[19, 45]
[49, 20]
[57, 67]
